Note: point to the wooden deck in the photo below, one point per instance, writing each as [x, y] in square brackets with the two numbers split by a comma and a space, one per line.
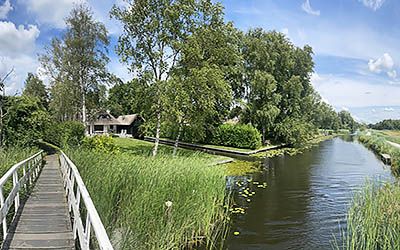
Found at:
[43, 222]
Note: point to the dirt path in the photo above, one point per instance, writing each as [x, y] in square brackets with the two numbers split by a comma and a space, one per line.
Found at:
[394, 144]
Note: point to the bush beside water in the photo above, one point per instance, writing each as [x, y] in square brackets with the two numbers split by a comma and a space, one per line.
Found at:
[240, 136]
[131, 194]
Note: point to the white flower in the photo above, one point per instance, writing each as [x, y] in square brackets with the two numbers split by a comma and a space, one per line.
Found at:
[168, 204]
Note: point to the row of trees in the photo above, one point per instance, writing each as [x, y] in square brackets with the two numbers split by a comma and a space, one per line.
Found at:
[192, 71]
[389, 124]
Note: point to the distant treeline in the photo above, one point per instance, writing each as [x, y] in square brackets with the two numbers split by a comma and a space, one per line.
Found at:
[389, 124]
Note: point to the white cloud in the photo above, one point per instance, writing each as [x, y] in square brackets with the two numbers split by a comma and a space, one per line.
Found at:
[17, 50]
[373, 4]
[51, 12]
[392, 74]
[14, 41]
[4, 9]
[306, 6]
[384, 63]
[344, 108]
[347, 92]
[388, 109]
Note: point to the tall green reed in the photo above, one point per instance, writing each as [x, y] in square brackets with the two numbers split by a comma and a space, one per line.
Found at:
[374, 218]
[155, 203]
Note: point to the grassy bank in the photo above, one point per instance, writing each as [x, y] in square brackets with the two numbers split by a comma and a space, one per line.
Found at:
[374, 219]
[155, 203]
[378, 143]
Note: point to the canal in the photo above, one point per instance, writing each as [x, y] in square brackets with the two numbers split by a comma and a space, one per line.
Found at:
[305, 200]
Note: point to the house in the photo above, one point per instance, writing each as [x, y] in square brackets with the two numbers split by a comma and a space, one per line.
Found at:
[124, 125]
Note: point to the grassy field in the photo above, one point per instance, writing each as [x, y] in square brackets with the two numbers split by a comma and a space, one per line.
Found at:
[139, 147]
[390, 135]
[374, 219]
[164, 202]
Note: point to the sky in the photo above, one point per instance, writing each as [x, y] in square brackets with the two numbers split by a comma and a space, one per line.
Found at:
[355, 43]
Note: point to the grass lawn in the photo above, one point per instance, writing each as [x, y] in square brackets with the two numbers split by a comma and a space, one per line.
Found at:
[139, 147]
[391, 135]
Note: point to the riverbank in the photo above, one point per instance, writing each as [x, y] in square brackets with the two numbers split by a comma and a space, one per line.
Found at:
[378, 142]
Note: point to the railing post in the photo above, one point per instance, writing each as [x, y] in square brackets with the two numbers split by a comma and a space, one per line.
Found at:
[87, 231]
[4, 219]
[24, 173]
[15, 183]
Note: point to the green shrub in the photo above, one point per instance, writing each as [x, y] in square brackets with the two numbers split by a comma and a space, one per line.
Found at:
[65, 134]
[101, 143]
[294, 131]
[240, 136]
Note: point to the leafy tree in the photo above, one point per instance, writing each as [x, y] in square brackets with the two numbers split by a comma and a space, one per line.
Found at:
[154, 32]
[34, 87]
[206, 77]
[26, 121]
[347, 121]
[77, 65]
[389, 124]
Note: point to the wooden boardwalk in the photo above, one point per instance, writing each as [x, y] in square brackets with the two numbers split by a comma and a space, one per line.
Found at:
[43, 222]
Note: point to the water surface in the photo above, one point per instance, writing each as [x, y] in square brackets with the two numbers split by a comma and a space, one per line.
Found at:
[305, 203]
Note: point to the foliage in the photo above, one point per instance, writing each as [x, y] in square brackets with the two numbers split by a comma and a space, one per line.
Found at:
[26, 120]
[295, 132]
[373, 220]
[77, 66]
[241, 136]
[34, 87]
[153, 40]
[65, 134]
[388, 124]
[347, 121]
[128, 180]
[101, 143]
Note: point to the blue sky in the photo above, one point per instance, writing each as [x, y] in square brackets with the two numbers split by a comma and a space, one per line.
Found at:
[355, 42]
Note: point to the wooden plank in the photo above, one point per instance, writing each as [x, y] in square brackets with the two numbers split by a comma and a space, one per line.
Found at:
[43, 222]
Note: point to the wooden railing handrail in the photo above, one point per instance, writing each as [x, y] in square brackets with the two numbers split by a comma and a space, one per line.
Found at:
[31, 168]
[71, 177]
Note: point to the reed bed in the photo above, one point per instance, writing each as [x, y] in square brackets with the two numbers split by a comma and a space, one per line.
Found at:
[374, 218]
[13, 155]
[155, 203]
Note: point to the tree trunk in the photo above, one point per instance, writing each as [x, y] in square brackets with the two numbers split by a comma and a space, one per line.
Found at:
[83, 105]
[177, 138]
[157, 140]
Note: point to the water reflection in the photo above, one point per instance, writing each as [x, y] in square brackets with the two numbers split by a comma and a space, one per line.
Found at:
[306, 198]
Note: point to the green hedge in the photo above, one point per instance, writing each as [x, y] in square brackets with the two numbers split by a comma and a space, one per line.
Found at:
[240, 136]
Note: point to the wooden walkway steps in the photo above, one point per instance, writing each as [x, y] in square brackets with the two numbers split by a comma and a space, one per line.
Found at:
[43, 222]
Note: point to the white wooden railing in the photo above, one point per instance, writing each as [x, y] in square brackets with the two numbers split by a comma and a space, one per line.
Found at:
[73, 179]
[30, 171]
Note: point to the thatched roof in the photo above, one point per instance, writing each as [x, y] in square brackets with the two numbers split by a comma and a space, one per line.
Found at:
[108, 119]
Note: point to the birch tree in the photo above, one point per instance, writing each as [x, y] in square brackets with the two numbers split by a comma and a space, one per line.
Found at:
[77, 63]
[153, 34]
